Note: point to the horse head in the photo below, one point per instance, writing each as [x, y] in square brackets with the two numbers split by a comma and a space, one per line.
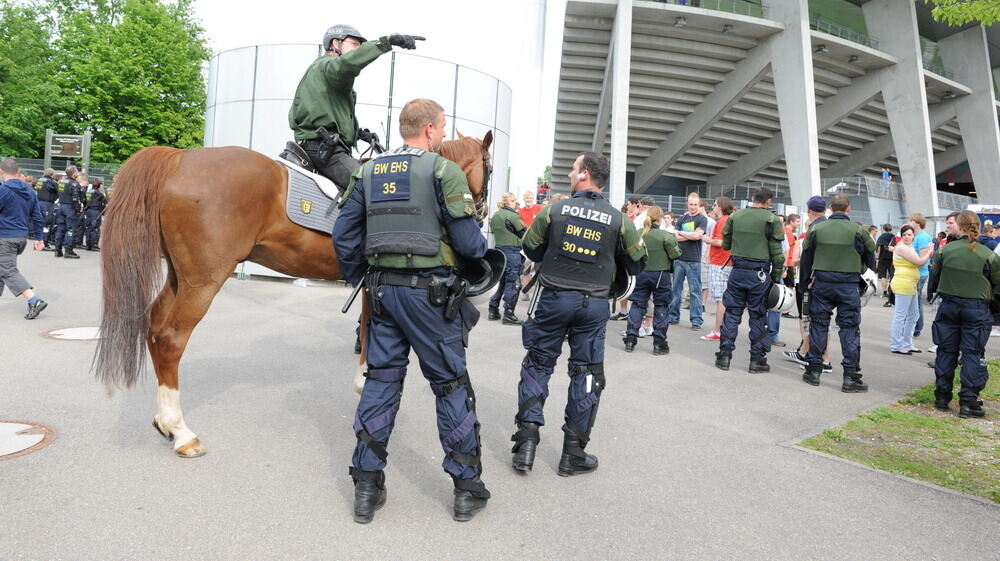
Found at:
[473, 156]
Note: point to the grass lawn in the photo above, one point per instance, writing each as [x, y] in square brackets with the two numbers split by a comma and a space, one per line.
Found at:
[911, 438]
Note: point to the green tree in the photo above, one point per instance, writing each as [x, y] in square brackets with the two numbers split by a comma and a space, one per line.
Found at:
[29, 100]
[961, 12]
[132, 72]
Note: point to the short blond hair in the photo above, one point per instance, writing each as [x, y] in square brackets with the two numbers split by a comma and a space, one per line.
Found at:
[416, 115]
[507, 199]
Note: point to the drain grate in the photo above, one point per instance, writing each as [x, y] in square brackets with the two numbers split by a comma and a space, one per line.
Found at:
[19, 438]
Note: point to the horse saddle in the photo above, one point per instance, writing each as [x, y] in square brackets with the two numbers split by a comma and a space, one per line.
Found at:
[311, 201]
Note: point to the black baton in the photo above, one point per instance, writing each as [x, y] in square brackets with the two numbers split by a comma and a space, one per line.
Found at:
[354, 295]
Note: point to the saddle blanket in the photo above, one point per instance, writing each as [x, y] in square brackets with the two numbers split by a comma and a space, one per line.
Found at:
[311, 201]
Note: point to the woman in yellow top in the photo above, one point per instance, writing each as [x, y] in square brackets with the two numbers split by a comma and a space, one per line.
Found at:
[904, 286]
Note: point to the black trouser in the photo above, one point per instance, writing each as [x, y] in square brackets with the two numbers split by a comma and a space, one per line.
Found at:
[338, 168]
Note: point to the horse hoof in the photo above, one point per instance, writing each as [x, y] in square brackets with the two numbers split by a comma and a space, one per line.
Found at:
[156, 426]
[193, 449]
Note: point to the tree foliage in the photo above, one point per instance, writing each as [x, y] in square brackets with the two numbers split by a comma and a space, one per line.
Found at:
[961, 12]
[128, 71]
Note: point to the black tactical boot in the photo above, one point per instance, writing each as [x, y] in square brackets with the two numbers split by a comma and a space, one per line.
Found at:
[812, 374]
[525, 440]
[369, 494]
[722, 360]
[660, 347]
[853, 383]
[971, 409]
[470, 497]
[59, 251]
[758, 365]
[629, 343]
[70, 254]
[509, 318]
[941, 401]
[574, 460]
[494, 314]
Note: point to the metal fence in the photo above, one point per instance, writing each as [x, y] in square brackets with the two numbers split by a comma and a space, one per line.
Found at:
[740, 191]
[826, 26]
[741, 7]
[951, 201]
[863, 185]
[35, 167]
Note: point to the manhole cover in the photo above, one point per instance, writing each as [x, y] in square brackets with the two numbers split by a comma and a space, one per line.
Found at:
[74, 334]
[17, 439]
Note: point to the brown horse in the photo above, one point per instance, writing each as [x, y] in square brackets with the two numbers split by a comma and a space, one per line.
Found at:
[177, 205]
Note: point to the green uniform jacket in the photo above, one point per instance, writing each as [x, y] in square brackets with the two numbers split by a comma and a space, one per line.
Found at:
[837, 245]
[965, 269]
[325, 96]
[662, 250]
[508, 228]
[756, 233]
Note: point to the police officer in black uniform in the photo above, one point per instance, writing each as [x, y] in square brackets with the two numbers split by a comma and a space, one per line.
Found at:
[966, 275]
[577, 241]
[754, 236]
[68, 218]
[96, 201]
[410, 216]
[48, 192]
[834, 254]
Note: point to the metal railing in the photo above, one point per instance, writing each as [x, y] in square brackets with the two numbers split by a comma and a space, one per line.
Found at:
[826, 26]
[35, 167]
[951, 201]
[938, 68]
[739, 191]
[863, 185]
[740, 7]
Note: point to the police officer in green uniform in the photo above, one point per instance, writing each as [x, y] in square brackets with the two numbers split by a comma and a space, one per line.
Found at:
[579, 242]
[834, 254]
[654, 281]
[325, 98]
[508, 229]
[753, 236]
[965, 275]
[406, 225]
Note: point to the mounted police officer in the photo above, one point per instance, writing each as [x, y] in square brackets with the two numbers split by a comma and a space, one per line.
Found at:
[965, 274]
[48, 192]
[753, 236]
[508, 229]
[834, 254]
[579, 242]
[654, 281]
[410, 216]
[322, 113]
[68, 218]
[97, 199]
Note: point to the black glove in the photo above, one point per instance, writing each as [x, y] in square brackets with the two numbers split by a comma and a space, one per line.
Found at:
[365, 135]
[404, 41]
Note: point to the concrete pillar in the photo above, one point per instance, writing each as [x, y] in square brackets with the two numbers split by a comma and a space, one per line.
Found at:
[894, 22]
[967, 55]
[621, 69]
[792, 70]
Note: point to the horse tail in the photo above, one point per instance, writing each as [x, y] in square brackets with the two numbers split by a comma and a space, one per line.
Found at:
[130, 260]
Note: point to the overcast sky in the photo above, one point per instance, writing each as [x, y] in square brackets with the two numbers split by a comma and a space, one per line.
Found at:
[489, 36]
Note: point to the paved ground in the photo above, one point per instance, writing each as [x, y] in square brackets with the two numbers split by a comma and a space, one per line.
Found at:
[695, 463]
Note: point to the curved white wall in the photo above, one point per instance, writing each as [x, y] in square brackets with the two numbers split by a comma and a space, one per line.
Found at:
[250, 90]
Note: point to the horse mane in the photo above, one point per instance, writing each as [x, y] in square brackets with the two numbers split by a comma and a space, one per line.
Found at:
[462, 149]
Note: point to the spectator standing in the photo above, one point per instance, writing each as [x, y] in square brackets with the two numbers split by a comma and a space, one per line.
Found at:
[987, 237]
[921, 240]
[20, 218]
[904, 284]
[773, 317]
[691, 226]
[710, 216]
[719, 265]
[530, 209]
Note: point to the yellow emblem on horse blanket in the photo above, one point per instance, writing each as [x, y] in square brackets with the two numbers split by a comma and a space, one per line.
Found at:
[305, 205]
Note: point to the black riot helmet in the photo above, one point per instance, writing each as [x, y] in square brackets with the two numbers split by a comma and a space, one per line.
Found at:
[483, 274]
[341, 32]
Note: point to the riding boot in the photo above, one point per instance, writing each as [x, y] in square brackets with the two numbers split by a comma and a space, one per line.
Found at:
[574, 460]
[722, 360]
[758, 364]
[629, 343]
[59, 252]
[470, 497]
[525, 440]
[852, 382]
[70, 254]
[660, 347]
[812, 374]
[369, 493]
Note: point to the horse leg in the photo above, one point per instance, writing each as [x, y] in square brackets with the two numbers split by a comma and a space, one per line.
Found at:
[174, 316]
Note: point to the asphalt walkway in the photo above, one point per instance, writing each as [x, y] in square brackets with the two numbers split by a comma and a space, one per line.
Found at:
[695, 463]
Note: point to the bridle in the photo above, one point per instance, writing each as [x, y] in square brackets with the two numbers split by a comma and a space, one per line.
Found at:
[482, 205]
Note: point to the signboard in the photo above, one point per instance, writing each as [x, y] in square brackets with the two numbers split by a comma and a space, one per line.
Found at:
[66, 145]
